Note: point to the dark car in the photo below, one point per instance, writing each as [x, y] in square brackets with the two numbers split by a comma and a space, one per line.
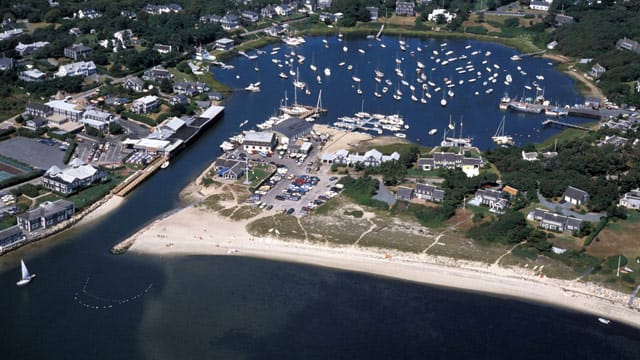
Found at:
[333, 178]
[280, 197]
[269, 207]
[290, 211]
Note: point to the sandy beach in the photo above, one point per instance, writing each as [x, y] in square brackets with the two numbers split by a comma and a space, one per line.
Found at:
[195, 231]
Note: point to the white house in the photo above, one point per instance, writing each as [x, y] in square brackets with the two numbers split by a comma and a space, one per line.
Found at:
[80, 68]
[437, 12]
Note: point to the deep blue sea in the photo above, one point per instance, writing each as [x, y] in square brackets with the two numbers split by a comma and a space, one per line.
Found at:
[88, 304]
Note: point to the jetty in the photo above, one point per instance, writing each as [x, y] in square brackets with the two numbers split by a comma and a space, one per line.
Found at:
[556, 123]
[139, 176]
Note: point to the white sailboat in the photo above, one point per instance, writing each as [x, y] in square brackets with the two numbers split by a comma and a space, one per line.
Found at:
[26, 276]
[500, 138]
[443, 102]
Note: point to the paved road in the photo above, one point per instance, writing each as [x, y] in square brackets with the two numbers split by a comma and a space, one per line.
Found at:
[564, 210]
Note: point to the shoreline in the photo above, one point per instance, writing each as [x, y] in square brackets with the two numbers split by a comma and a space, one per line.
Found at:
[192, 231]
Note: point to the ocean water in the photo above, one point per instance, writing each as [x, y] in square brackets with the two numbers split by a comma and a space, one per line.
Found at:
[87, 303]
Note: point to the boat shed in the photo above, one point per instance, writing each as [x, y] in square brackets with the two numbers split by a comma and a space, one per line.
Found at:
[291, 129]
[259, 141]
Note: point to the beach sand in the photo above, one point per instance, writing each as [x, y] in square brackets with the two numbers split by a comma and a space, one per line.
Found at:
[194, 230]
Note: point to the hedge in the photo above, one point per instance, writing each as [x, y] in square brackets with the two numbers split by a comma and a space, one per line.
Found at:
[138, 117]
[20, 178]
[69, 152]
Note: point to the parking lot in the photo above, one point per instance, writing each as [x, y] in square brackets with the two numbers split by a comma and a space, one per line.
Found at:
[99, 152]
[297, 185]
[36, 153]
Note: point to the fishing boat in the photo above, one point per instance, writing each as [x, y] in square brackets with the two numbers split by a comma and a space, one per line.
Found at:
[433, 131]
[26, 276]
[499, 137]
[293, 40]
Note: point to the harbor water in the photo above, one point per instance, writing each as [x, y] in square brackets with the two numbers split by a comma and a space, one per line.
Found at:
[87, 303]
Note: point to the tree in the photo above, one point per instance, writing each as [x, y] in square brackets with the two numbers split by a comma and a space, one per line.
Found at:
[115, 128]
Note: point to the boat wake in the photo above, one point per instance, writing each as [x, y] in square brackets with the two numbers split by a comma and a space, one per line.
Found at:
[95, 302]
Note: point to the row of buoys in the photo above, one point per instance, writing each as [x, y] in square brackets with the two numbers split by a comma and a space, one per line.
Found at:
[84, 293]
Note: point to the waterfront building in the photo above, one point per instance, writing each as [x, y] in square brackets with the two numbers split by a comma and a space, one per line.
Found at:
[46, 215]
[259, 141]
[447, 160]
[73, 178]
[230, 169]
[291, 129]
[224, 44]
[555, 222]
[78, 51]
[10, 236]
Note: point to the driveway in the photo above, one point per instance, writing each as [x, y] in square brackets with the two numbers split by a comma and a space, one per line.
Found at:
[564, 209]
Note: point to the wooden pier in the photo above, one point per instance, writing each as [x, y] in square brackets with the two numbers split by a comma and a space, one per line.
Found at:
[550, 122]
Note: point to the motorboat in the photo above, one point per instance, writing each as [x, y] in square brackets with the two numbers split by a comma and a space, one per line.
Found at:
[433, 131]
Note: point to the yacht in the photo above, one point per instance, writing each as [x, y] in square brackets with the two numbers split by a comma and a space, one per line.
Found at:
[433, 131]
[327, 71]
[253, 87]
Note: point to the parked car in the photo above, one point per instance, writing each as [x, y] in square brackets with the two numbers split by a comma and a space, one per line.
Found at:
[290, 211]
